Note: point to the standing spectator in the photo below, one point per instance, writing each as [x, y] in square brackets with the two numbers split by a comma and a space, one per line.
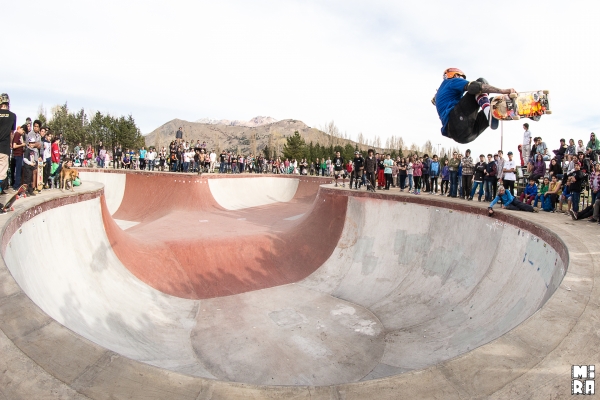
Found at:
[30, 159]
[526, 148]
[426, 167]
[46, 156]
[338, 167]
[409, 173]
[434, 172]
[418, 173]
[8, 126]
[402, 174]
[143, 153]
[358, 169]
[179, 135]
[453, 165]
[213, 161]
[118, 154]
[478, 177]
[509, 177]
[151, 159]
[575, 186]
[490, 178]
[387, 171]
[370, 167]
[467, 174]
[499, 159]
[18, 145]
[445, 188]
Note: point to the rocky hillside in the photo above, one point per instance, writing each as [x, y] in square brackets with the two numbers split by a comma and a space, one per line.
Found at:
[256, 121]
[242, 139]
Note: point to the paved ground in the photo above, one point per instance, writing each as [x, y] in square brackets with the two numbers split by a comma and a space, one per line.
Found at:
[412, 296]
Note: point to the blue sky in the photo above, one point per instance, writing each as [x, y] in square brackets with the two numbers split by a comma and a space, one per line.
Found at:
[371, 67]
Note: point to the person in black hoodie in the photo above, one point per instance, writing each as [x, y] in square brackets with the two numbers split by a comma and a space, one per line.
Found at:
[490, 176]
[371, 167]
[425, 171]
[478, 176]
[357, 170]
[575, 186]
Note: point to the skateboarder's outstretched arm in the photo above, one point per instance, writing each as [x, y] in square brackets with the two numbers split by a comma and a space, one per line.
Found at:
[479, 87]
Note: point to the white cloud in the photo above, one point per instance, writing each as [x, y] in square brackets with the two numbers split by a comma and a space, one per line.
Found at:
[372, 67]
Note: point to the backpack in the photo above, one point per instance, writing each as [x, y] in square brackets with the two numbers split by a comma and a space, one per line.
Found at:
[546, 204]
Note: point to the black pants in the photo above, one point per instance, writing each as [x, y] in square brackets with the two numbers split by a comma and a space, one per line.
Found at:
[510, 186]
[28, 177]
[388, 181]
[417, 180]
[445, 183]
[466, 122]
[371, 178]
[467, 185]
[426, 182]
[516, 205]
[434, 184]
[356, 176]
[402, 181]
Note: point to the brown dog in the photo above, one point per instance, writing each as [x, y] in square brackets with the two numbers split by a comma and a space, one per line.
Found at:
[68, 175]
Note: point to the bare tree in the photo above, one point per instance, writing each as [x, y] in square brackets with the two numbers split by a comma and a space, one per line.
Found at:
[377, 141]
[428, 147]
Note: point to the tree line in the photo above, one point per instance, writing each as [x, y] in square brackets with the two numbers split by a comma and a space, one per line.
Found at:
[297, 148]
[76, 127]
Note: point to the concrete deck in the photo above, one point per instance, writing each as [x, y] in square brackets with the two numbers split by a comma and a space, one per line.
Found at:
[83, 323]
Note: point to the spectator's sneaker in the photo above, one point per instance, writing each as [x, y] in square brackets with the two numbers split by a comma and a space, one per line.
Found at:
[31, 193]
[336, 184]
[343, 185]
[592, 219]
[536, 210]
[574, 215]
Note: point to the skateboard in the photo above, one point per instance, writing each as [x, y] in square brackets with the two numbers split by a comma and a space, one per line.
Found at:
[18, 194]
[40, 176]
[521, 105]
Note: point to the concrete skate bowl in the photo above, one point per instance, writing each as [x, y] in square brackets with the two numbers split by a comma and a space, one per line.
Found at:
[275, 281]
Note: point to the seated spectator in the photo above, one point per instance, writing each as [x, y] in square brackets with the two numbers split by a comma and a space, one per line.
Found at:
[591, 212]
[571, 148]
[565, 197]
[530, 192]
[593, 147]
[595, 182]
[554, 191]
[541, 194]
[541, 148]
[580, 148]
[509, 202]
[555, 169]
[561, 151]
[539, 168]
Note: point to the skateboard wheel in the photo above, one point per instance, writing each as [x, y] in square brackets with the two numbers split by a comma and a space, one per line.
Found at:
[516, 117]
[548, 112]
[546, 91]
[12, 209]
[513, 95]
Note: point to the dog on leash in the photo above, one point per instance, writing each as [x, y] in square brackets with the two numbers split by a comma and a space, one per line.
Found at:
[68, 175]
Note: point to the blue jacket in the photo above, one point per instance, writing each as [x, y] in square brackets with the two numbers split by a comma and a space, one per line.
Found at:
[506, 198]
[446, 173]
[531, 190]
[434, 169]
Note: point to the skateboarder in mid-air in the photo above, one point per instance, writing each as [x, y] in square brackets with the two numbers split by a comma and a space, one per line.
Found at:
[458, 104]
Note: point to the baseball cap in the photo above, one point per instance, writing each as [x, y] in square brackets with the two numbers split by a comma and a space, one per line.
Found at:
[510, 153]
[31, 140]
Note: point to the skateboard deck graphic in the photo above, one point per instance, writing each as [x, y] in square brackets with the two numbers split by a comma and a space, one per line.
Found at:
[40, 176]
[19, 193]
[532, 105]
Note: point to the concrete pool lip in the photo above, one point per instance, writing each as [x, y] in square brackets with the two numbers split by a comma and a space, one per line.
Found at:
[534, 357]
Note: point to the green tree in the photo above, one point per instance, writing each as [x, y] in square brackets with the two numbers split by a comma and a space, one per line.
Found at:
[348, 152]
[295, 147]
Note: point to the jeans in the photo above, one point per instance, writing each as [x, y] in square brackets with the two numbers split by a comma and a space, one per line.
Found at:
[594, 196]
[18, 171]
[410, 181]
[426, 182]
[575, 200]
[445, 186]
[221, 167]
[488, 186]
[402, 181]
[475, 185]
[538, 197]
[453, 183]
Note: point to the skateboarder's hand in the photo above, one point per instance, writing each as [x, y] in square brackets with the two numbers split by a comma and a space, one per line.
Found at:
[509, 91]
